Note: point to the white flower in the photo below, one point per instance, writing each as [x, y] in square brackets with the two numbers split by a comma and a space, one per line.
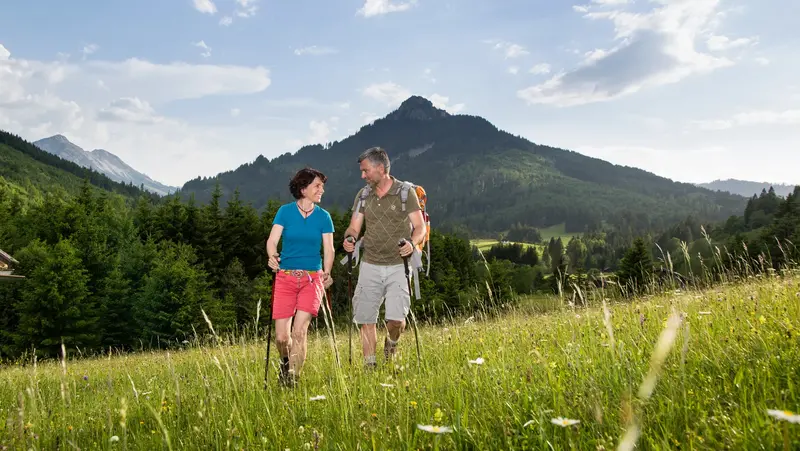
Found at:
[564, 422]
[317, 398]
[785, 415]
[113, 439]
[387, 385]
[528, 423]
[478, 361]
[435, 429]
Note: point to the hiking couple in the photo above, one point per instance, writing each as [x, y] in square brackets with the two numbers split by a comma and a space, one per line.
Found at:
[302, 275]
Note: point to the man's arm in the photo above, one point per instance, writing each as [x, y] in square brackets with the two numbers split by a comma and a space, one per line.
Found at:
[420, 230]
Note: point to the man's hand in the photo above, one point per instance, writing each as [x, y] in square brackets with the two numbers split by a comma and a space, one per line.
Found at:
[274, 262]
[406, 249]
[349, 244]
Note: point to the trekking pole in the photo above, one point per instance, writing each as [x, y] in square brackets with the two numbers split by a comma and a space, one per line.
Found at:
[269, 328]
[350, 239]
[411, 309]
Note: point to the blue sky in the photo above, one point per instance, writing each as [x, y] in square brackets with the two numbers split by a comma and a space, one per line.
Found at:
[687, 89]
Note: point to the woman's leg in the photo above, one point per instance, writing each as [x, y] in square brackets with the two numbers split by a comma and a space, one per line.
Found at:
[297, 356]
[283, 310]
[308, 303]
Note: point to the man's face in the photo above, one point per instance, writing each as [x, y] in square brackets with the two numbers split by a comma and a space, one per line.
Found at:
[314, 191]
[372, 174]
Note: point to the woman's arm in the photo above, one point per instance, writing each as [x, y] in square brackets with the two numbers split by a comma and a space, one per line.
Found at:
[272, 246]
[328, 252]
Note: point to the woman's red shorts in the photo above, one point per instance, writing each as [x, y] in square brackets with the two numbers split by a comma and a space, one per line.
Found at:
[297, 290]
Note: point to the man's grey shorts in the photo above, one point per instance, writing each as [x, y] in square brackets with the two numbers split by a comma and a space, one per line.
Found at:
[376, 282]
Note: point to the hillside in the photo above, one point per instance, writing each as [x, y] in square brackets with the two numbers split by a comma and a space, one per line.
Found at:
[101, 161]
[33, 169]
[747, 188]
[469, 168]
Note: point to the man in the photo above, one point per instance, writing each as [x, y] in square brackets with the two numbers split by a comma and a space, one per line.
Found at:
[382, 273]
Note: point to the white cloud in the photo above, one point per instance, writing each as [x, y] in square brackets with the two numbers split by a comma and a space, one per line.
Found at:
[580, 9]
[440, 101]
[4, 53]
[652, 49]
[428, 75]
[89, 49]
[315, 51]
[206, 49]
[751, 118]
[509, 49]
[513, 70]
[205, 6]
[611, 2]
[247, 8]
[235, 112]
[541, 68]
[112, 105]
[719, 43]
[226, 21]
[388, 93]
[762, 61]
[373, 8]
[129, 109]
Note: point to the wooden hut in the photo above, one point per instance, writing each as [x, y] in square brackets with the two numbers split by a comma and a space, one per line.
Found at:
[7, 264]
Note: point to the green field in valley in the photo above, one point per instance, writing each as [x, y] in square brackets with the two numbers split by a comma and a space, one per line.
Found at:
[684, 370]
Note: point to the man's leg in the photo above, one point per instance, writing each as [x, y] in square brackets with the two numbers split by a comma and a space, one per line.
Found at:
[366, 304]
[398, 303]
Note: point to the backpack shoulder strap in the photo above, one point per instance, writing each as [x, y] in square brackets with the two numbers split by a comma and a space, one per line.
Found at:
[362, 197]
[404, 189]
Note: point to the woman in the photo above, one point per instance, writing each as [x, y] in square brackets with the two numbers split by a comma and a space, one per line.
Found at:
[301, 275]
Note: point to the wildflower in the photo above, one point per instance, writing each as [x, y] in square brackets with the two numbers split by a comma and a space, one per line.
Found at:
[413, 404]
[478, 361]
[785, 415]
[317, 398]
[528, 423]
[564, 422]
[113, 439]
[387, 385]
[435, 429]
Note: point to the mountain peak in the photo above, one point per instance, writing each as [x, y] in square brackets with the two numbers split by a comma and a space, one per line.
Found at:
[417, 108]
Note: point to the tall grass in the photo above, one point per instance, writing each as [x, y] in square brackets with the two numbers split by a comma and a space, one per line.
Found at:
[674, 369]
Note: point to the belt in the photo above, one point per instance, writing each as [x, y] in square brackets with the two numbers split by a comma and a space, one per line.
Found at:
[298, 272]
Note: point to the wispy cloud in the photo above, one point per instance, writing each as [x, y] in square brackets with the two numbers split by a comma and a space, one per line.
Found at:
[751, 118]
[205, 6]
[508, 49]
[373, 8]
[89, 49]
[652, 48]
[206, 49]
[315, 51]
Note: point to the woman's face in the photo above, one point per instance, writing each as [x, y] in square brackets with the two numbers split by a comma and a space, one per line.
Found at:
[313, 192]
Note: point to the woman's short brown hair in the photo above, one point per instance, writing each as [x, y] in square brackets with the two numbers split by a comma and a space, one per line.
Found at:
[302, 179]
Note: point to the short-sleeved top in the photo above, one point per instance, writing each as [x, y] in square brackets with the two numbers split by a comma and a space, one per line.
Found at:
[302, 237]
[386, 223]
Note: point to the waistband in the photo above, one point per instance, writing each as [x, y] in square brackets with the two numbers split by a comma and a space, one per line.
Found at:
[298, 272]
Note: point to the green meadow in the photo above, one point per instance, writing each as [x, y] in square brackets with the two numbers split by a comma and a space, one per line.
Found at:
[683, 370]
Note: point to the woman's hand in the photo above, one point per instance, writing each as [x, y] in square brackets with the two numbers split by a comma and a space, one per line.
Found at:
[274, 262]
[326, 279]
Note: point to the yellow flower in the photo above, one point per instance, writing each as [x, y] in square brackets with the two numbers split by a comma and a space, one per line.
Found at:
[413, 404]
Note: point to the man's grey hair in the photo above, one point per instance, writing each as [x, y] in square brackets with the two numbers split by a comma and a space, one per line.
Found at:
[375, 156]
